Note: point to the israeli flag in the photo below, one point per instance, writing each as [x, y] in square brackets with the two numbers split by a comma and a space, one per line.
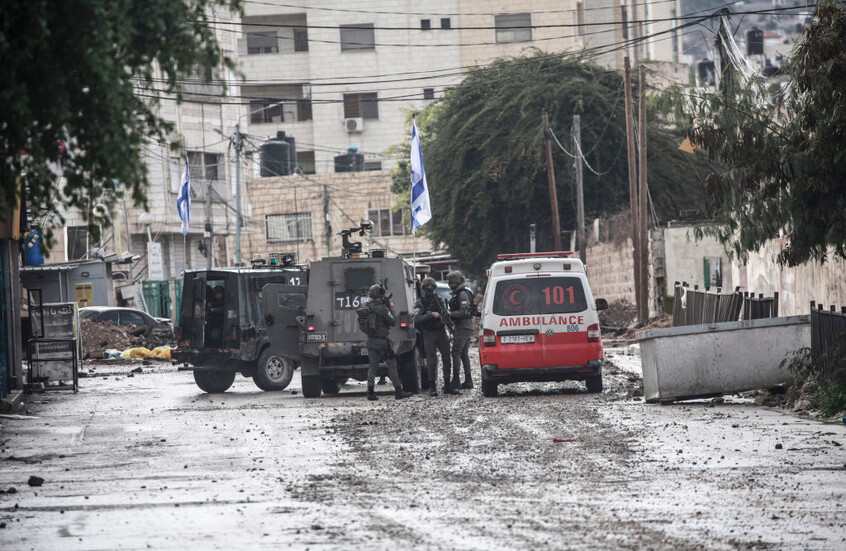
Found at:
[421, 211]
[183, 202]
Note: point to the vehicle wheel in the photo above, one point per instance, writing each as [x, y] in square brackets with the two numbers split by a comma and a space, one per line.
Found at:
[330, 386]
[273, 372]
[594, 384]
[213, 382]
[489, 388]
[311, 386]
[409, 371]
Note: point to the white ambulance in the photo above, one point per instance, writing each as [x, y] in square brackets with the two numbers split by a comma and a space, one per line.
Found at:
[540, 322]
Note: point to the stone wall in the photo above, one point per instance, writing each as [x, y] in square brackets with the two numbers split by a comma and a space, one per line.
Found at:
[797, 287]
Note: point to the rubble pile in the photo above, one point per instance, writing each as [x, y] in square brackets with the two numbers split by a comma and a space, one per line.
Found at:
[98, 337]
[620, 314]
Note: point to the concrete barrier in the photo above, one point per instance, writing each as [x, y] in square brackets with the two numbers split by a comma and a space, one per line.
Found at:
[698, 361]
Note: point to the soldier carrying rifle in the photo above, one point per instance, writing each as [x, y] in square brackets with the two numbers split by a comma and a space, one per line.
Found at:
[431, 318]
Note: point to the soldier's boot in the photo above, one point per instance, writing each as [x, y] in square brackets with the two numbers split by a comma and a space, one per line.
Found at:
[400, 394]
[448, 389]
[455, 382]
[433, 390]
[382, 381]
[371, 394]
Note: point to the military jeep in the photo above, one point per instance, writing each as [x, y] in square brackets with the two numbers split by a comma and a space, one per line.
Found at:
[222, 328]
[333, 348]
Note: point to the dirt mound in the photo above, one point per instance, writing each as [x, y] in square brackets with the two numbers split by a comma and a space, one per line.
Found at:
[100, 336]
[619, 314]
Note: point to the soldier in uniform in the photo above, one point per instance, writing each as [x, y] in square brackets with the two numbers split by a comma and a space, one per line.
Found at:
[379, 347]
[427, 318]
[462, 309]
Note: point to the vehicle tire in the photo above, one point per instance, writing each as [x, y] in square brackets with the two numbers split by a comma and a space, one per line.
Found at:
[330, 386]
[594, 384]
[213, 382]
[489, 388]
[273, 372]
[409, 371]
[311, 386]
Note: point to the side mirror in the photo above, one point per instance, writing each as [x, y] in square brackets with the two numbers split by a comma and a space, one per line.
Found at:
[268, 320]
[601, 304]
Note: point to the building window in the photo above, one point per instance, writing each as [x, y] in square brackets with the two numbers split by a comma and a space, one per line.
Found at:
[300, 40]
[266, 111]
[428, 93]
[513, 27]
[446, 23]
[372, 165]
[365, 106]
[263, 42]
[282, 228]
[305, 161]
[425, 24]
[387, 223]
[206, 167]
[77, 242]
[358, 37]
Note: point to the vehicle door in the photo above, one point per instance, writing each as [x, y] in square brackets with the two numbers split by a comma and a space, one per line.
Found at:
[562, 307]
[193, 312]
[514, 319]
[351, 282]
[281, 305]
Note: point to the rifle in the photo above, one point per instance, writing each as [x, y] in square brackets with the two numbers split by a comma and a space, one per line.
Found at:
[448, 321]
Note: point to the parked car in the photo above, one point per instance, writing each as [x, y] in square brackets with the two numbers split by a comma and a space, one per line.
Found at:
[156, 330]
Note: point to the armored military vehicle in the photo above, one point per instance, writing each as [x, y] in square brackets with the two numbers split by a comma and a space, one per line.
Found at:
[222, 328]
[333, 348]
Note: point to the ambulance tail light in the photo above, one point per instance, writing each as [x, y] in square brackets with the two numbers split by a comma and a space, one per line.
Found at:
[566, 266]
[508, 269]
[593, 333]
[489, 337]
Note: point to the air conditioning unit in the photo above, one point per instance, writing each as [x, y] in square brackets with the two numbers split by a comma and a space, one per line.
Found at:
[354, 125]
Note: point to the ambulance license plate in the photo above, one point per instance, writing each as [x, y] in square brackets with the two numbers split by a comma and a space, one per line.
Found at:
[517, 339]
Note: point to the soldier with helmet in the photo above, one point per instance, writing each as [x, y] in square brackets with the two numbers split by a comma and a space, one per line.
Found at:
[462, 309]
[429, 320]
[379, 349]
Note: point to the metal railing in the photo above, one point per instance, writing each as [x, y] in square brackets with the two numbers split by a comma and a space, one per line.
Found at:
[692, 306]
[828, 338]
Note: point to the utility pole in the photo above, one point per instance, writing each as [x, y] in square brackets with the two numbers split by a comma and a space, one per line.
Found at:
[643, 307]
[630, 147]
[208, 233]
[238, 144]
[580, 194]
[553, 195]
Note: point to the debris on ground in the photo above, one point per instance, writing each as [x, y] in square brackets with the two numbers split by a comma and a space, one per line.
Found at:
[100, 336]
[656, 323]
[35, 481]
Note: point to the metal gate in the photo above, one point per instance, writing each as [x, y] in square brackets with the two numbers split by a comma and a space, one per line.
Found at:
[157, 297]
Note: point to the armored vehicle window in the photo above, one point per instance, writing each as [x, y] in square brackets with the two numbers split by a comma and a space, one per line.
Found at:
[358, 278]
[291, 301]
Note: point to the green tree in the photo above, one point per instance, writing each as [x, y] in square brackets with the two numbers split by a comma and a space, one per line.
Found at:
[782, 146]
[80, 81]
[485, 158]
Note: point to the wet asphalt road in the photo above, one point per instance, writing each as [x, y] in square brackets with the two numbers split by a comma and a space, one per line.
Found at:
[151, 462]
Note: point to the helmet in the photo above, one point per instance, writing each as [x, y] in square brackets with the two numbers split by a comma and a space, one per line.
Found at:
[455, 277]
[375, 291]
[429, 285]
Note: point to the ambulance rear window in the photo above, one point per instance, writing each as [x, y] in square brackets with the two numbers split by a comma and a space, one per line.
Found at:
[542, 295]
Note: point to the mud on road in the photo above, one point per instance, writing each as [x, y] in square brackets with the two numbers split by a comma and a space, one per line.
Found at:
[481, 473]
[149, 461]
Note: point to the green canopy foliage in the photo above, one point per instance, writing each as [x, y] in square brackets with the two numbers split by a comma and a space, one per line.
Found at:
[783, 146]
[485, 157]
[80, 80]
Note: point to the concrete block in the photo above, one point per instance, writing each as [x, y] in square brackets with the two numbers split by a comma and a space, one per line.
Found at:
[708, 360]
